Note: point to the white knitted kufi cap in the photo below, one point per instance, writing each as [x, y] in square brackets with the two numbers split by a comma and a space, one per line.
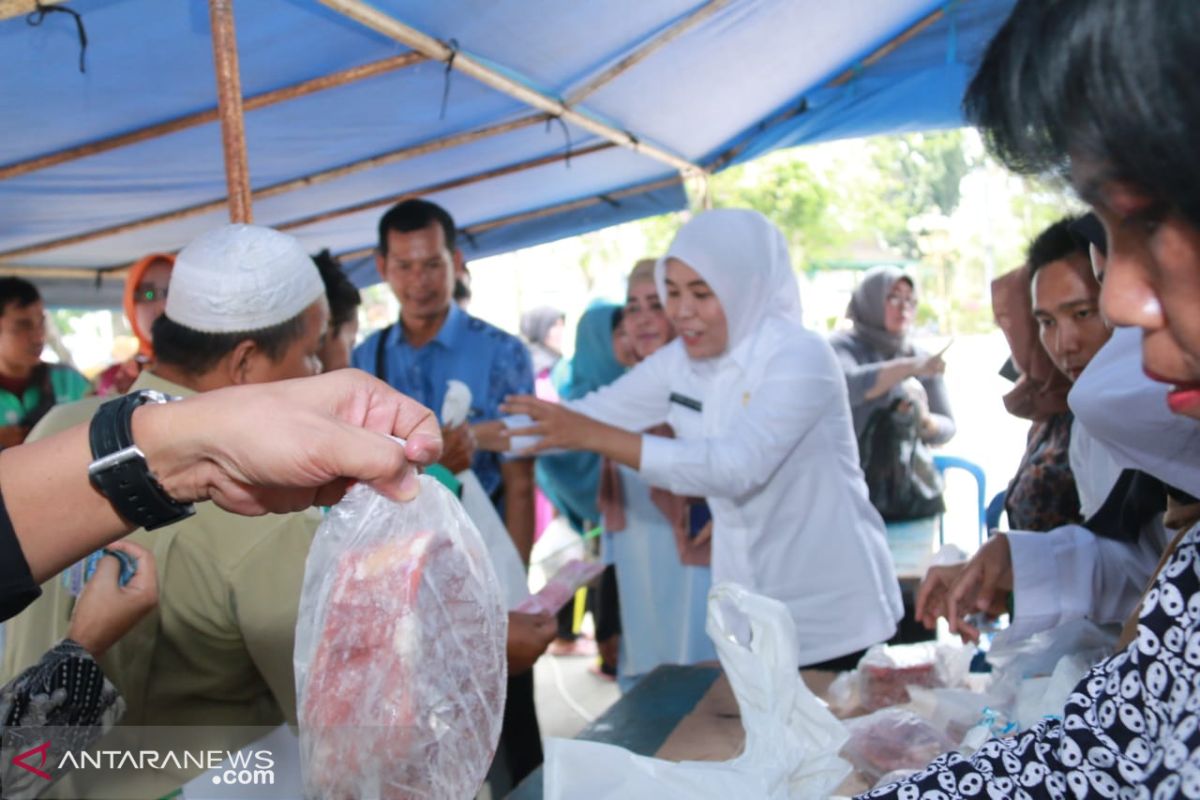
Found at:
[241, 278]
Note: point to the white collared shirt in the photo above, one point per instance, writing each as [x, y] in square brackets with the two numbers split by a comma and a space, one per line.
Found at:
[1121, 421]
[773, 451]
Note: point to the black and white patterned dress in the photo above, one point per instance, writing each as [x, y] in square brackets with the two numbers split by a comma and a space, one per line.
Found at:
[64, 699]
[1130, 729]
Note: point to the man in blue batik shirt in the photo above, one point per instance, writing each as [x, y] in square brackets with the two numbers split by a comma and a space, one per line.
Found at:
[435, 342]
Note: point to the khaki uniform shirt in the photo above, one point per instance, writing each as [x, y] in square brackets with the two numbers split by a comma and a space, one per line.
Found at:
[218, 649]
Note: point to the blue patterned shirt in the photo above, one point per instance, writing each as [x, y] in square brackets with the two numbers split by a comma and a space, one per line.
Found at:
[493, 363]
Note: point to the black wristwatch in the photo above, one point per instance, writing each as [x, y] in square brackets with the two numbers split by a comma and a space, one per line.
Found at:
[119, 470]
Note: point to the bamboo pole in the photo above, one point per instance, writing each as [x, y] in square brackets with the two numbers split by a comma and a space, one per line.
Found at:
[274, 190]
[61, 273]
[376, 20]
[725, 157]
[229, 106]
[888, 47]
[645, 51]
[443, 186]
[526, 216]
[185, 122]
[19, 8]
[571, 205]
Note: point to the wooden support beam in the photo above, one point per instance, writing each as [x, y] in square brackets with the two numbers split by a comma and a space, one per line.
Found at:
[61, 273]
[571, 205]
[187, 121]
[886, 49]
[229, 107]
[645, 51]
[380, 22]
[443, 186]
[19, 8]
[274, 190]
[540, 213]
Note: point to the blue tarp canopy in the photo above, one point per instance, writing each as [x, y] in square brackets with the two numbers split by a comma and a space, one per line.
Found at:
[749, 77]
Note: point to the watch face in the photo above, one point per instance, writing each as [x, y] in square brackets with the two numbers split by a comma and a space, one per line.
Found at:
[153, 396]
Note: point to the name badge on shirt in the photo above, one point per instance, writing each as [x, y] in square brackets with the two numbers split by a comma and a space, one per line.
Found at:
[686, 402]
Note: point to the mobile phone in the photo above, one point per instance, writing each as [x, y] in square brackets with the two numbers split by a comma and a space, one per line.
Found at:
[699, 515]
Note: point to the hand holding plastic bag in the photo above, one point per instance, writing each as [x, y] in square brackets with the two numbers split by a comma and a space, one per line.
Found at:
[400, 651]
[792, 740]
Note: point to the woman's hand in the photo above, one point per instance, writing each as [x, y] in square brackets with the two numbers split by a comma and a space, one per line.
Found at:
[106, 611]
[960, 590]
[491, 436]
[928, 367]
[559, 427]
[279, 447]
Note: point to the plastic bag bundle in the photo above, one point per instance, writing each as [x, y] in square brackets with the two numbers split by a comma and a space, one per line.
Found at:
[884, 674]
[792, 740]
[400, 651]
[892, 739]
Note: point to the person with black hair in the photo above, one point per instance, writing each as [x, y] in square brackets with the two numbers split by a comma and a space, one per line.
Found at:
[432, 343]
[344, 300]
[246, 305]
[1106, 91]
[29, 387]
[1049, 310]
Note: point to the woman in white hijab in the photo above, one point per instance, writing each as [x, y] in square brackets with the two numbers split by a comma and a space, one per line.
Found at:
[758, 405]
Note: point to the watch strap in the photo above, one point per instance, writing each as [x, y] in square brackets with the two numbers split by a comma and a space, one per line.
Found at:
[119, 470]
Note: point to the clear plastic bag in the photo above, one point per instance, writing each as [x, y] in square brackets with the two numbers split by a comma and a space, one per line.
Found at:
[792, 740]
[886, 671]
[400, 651]
[892, 739]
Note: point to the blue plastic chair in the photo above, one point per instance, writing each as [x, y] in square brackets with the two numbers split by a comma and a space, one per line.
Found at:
[943, 463]
[995, 509]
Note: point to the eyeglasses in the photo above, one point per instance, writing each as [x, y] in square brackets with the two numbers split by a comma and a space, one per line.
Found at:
[148, 293]
[899, 301]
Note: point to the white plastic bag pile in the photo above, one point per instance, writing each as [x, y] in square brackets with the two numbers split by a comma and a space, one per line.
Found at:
[792, 740]
[400, 651]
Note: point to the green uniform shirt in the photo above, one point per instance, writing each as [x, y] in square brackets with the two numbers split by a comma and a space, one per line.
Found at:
[68, 386]
[218, 649]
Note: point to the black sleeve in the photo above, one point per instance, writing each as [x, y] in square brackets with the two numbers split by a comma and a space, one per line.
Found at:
[17, 587]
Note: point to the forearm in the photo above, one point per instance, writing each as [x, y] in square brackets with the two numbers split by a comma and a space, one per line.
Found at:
[58, 516]
[939, 425]
[937, 429]
[519, 515]
[890, 374]
[622, 446]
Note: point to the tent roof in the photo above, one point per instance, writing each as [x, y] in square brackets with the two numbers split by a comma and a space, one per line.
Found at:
[749, 77]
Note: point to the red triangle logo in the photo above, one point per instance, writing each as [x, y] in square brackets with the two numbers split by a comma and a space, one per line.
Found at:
[41, 749]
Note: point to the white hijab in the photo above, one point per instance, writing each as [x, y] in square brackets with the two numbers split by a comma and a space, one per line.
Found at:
[743, 257]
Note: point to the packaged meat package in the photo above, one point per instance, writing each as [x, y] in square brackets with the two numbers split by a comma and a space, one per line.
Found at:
[886, 671]
[892, 739]
[400, 651]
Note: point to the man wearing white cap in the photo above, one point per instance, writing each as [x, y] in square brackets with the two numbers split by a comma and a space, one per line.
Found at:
[246, 305]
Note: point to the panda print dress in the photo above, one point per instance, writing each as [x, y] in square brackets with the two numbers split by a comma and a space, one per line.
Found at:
[1130, 729]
